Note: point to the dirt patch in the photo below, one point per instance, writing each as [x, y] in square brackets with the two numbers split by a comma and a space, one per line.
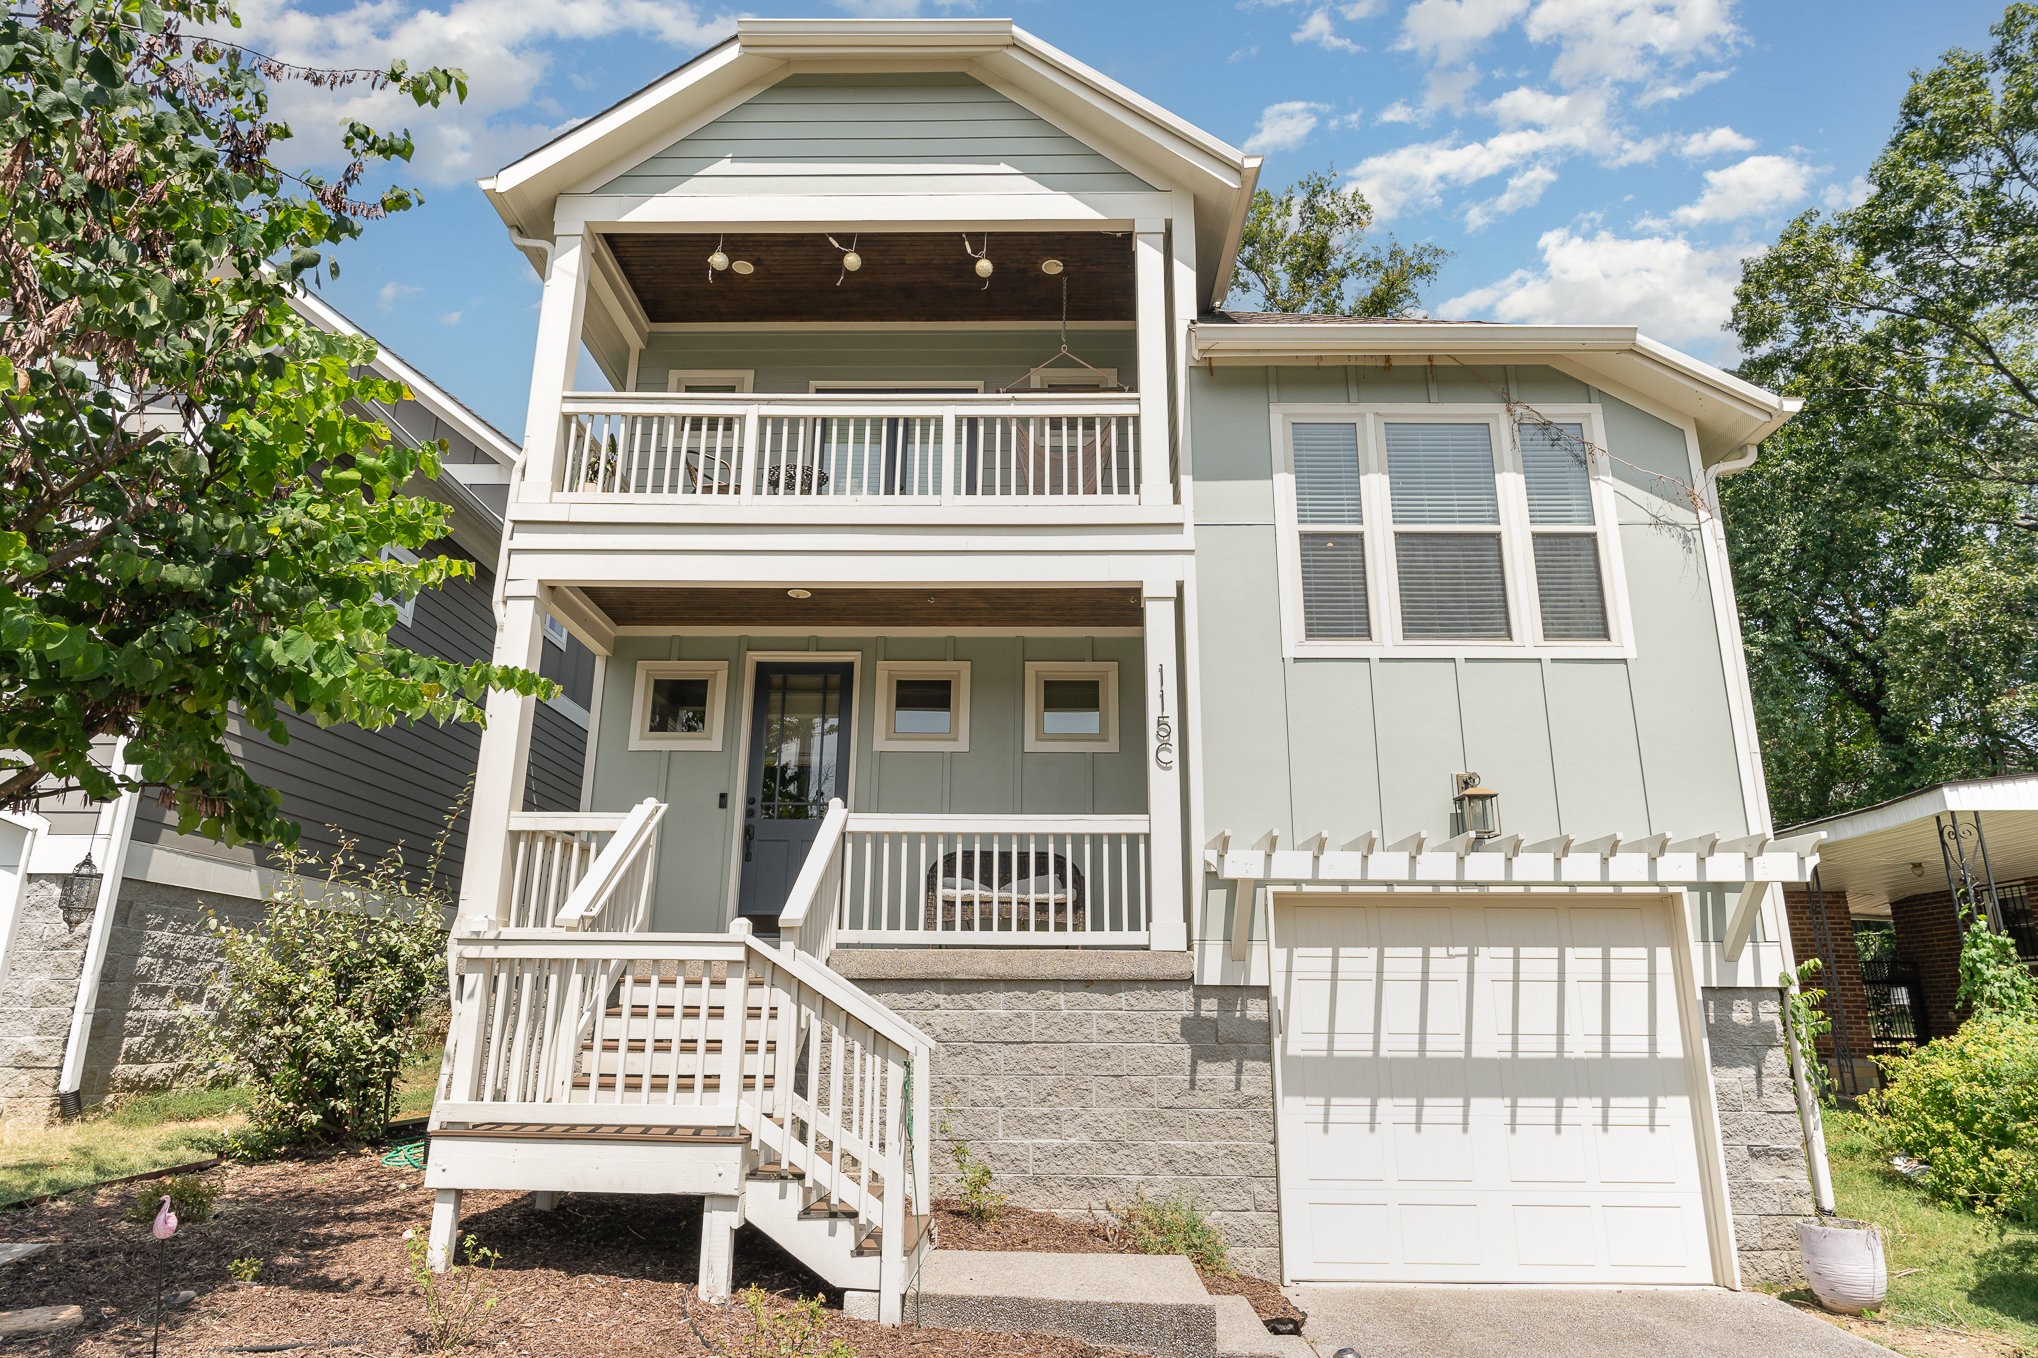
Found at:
[1019, 1228]
[1918, 1341]
[601, 1275]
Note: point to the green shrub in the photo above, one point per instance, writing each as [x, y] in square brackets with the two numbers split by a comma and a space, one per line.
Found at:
[1173, 1226]
[1967, 1105]
[1994, 982]
[980, 1202]
[318, 1006]
[245, 1269]
[1804, 1009]
[191, 1198]
[796, 1331]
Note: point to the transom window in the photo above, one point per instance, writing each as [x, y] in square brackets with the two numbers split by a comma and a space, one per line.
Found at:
[1444, 527]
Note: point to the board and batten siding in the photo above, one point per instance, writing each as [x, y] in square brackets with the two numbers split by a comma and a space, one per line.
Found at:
[1574, 744]
[918, 132]
[792, 359]
[391, 786]
[994, 776]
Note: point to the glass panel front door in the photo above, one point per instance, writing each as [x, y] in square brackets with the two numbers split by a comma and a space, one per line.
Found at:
[799, 760]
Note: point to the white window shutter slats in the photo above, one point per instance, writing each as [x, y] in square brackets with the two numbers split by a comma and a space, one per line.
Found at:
[1441, 473]
[1553, 460]
[1453, 585]
[1327, 473]
[1568, 587]
[1334, 587]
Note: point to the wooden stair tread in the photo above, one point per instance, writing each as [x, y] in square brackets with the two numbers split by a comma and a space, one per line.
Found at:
[597, 1131]
[917, 1225]
[682, 1084]
[663, 1044]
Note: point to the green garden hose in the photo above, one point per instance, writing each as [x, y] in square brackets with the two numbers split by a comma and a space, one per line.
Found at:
[407, 1154]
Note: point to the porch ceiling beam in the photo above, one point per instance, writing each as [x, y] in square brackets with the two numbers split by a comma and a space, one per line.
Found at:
[583, 619]
[1753, 861]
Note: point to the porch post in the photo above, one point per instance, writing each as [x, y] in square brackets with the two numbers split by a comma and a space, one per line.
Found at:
[499, 770]
[1150, 263]
[561, 313]
[1162, 746]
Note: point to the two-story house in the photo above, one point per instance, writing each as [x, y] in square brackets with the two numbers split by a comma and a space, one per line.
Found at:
[1301, 764]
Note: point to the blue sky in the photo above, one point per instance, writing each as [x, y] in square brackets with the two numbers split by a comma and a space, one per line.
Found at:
[1585, 160]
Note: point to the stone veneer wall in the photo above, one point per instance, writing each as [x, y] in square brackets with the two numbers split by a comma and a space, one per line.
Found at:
[159, 960]
[1768, 1190]
[1080, 1079]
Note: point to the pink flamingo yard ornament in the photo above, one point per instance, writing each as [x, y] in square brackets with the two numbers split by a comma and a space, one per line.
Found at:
[164, 1226]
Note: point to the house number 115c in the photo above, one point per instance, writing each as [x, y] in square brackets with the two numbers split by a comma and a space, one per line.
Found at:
[1163, 725]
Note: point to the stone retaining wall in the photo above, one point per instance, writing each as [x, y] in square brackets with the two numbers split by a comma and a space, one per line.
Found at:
[1767, 1187]
[1079, 1093]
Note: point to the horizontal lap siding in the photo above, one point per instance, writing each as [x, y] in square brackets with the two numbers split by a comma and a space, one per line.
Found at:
[558, 750]
[877, 134]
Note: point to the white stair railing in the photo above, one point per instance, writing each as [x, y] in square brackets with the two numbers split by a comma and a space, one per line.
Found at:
[550, 852]
[615, 895]
[808, 920]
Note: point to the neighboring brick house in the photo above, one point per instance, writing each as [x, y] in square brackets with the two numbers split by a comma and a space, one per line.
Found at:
[1897, 866]
[142, 937]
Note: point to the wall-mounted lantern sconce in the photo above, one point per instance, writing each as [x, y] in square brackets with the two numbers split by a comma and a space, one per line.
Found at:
[80, 894]
[1478, 807]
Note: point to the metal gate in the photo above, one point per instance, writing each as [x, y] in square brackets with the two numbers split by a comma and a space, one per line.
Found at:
[1896, 1020]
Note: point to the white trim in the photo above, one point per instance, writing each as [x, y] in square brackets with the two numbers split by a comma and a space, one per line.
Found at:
[1105, 672]
[747, 713]
[813, 327]
[406, 609]
[889, 672]
[14, 880]
[891, 386]
[569, 709]
[866, 630]
[716, 672]
[1378, 528]
[593, 745]
[682, 379]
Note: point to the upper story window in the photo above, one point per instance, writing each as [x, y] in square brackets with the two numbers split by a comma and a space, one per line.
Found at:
[1445, 528]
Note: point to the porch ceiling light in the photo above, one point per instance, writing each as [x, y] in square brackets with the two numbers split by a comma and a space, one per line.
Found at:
[80, 893]
[1051, 267]
[799, 594]
[744, 267]
[1478, 807]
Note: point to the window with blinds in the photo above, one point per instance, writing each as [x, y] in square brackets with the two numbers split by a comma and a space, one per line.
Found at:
[1563, 533]
[1452, 575]
[1328, 509]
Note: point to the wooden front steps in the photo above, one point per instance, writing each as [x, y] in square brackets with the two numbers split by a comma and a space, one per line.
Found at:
[596, 1131]
[685, 1083]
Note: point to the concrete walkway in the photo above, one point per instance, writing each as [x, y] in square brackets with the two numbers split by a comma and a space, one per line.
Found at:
[1539, 1322]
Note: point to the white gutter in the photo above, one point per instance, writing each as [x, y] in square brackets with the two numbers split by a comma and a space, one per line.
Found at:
[119, 832]
[1248, 340]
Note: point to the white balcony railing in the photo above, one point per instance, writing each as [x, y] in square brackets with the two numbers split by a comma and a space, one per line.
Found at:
[947, 449]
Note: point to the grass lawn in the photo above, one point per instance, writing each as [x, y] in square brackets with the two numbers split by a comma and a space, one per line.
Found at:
[1947, 1266]
[149, 1132]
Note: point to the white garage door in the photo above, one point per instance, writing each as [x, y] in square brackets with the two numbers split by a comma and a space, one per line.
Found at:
[1485, 1091]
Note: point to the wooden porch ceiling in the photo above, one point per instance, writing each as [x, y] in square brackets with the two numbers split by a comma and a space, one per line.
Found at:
[906, 276]
[774, 609]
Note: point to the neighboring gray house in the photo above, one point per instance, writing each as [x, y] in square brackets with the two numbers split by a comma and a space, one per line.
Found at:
[141, 936]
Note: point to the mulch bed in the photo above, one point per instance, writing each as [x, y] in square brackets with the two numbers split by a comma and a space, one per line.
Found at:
[1018, 1228]
[608, 1276]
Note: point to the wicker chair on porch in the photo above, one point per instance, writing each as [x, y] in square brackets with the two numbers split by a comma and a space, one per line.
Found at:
[1006, 891]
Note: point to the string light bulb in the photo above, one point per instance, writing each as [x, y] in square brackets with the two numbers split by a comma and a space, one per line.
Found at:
[851, 261]
[717, 261]
[983, 266]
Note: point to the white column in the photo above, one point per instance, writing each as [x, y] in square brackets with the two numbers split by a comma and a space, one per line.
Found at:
[499, 771]
[1150, 265]
[1161, 743]
[561, 312]
[720, 1216]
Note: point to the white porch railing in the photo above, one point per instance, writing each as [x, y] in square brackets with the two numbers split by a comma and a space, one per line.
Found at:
[614, 896]
[992, 880]
[822, 449]
[549, 853]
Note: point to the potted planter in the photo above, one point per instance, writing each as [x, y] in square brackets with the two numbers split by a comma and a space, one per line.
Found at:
[1843, 1262]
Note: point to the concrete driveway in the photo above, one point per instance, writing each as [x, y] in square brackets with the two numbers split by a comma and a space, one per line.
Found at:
[1543, 1322]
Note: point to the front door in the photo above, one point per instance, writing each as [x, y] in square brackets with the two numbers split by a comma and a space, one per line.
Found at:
[800, 725]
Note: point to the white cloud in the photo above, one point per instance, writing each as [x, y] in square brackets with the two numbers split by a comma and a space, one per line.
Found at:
[451, 318]
[1624, 40]
[1284, 126]
[1663, 91]
[1714, 141]
[1319, 29]
[1537, 128]
[1853, 193]
[391, 293]
[1675, 291]
[1448, 31]
[1400, 111]
[1449, 88]
[899, 9]
[1759, 186]
[1523, 190]
[507, 48]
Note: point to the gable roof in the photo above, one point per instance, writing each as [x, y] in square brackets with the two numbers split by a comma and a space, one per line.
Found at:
[1730, 415]
[1081, 101]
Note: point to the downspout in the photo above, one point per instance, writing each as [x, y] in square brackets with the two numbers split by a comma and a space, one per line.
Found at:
[1810, 1123]
[119, 832]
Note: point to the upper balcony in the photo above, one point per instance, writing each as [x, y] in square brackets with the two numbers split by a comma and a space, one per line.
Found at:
[1013, 378]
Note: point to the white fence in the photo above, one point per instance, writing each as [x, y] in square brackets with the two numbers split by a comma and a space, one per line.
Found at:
[963, 449]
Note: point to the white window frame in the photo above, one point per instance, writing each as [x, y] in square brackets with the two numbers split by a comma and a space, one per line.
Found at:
[680, 379]
[1082, 379]
[716, 672]
[889, 672]
[406, 609]
[1038, 672]
[555, 631]
[1516, 534]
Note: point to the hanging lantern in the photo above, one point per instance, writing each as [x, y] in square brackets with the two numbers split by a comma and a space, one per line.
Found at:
[1478, 807]
[80, 894]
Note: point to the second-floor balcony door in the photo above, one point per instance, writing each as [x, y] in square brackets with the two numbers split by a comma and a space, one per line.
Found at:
[884, 455]
[802, 717]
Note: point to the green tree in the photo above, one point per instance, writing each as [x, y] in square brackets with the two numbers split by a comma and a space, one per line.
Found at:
[1306, 251]
[193, 511]
[1882, 546]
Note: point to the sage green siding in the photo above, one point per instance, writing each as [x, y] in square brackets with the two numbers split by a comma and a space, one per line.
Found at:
[993, 776]
[876, 133]
[789, 360]
[1584, 746]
